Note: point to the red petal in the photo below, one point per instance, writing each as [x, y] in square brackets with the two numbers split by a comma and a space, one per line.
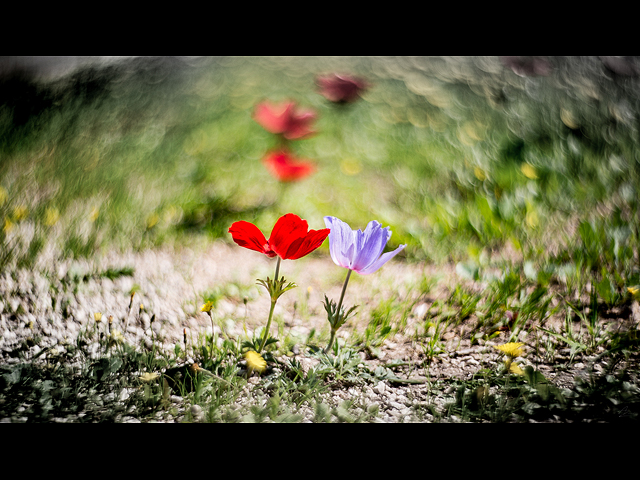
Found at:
[249, 236]
[341, 88]
[287, 230]
[299, 125]
[286, 168]
[273, 118]
[308, 244]
[285, 118]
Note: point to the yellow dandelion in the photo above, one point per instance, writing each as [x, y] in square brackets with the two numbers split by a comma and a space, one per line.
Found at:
[152, 220]
[20, 213]
[116, 336]
[149, 376]
[255, 362]
[528, 171]
[350, 166]
[8, 225]
[634, 291]
[515, 368]
[207, 307]
[532, 219]
[97, 316]
[51, 217]
[95, 212]
[511, 349]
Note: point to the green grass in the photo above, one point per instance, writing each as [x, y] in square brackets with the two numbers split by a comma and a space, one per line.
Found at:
[527, 186]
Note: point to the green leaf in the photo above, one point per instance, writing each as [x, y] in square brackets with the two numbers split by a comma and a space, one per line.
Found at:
[534, 377]
[13, 376]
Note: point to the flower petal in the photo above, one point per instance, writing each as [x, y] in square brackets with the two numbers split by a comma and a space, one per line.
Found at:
[286, 119]
[306, 245]
[287, 230]
[286, 168]
[384, 258]
[299, 125]
[273, 118]
[249, 236]
[341, 88]
[341, 241]
[371, 244]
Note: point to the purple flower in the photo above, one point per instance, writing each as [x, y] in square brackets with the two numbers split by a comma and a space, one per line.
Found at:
[357, 250]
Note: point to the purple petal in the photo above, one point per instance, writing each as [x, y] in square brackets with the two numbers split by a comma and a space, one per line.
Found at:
[380, 262]
[370, 245]
[341, 243]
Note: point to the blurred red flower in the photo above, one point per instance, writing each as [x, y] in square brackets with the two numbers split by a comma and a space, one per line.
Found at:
[527, 66]
[286, 168]
[286, 119]
[340, 88]
[290, 238]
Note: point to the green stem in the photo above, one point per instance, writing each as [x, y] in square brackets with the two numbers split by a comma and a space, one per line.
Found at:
[213, 332]
[273, 305]
[344, 289]
[333, 328]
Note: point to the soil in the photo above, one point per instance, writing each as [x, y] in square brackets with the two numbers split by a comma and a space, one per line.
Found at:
[172, 284]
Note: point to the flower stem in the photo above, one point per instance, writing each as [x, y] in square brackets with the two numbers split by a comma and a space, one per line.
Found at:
[274, 299]
[333, 328]
[344, 289]
[213, 333]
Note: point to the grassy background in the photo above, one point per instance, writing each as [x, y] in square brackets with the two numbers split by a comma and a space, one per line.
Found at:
[459, 155]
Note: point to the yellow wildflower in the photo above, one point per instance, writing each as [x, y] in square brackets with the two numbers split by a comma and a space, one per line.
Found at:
[8, 225]
[152, 220]
[255, 362]
[207, 307]
[479, 173]
[116, 336]
[97, 316]
[51, 217]
[95, 212]
[514, 368]
[532, 219]
[149, 376]
[529, 171]
[350, 167]
[20, 213]
[511, 349]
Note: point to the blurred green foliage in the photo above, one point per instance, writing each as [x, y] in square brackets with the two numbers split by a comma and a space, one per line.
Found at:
[460, 155]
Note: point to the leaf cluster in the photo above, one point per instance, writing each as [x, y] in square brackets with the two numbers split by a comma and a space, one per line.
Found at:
[276, 287]
[337, 319]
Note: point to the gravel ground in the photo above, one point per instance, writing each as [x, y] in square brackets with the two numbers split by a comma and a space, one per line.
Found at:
[171, 283]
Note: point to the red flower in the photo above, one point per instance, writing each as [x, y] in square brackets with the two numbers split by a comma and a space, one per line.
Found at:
[527, 66]
[290, 238]
[286, 168]
[285, 119]
[341, 88]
